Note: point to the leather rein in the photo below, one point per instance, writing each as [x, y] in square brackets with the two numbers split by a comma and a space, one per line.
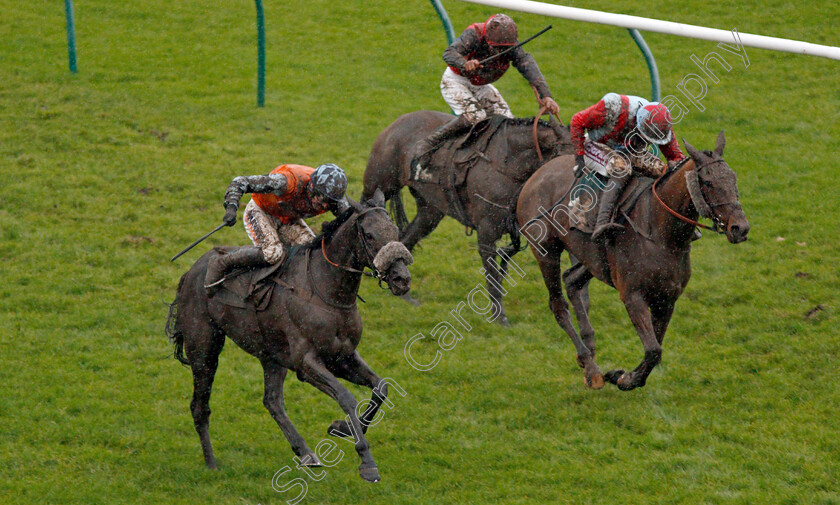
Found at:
[716, 227]
[368, 252]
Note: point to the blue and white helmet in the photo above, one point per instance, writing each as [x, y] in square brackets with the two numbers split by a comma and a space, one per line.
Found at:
[329, 181]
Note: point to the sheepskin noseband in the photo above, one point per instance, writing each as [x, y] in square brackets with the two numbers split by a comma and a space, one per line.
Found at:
[391, 252]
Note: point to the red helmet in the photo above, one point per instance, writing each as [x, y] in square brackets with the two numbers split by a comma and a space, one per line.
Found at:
[654, 123]
[500, 30]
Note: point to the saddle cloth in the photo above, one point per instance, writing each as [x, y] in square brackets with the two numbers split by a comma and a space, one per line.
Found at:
[453, 159]
[584, 212]
[247, 287]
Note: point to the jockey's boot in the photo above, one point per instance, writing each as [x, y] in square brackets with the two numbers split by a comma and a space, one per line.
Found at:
[604, 227]
[423, 149]
[221, 264]
[696, 235]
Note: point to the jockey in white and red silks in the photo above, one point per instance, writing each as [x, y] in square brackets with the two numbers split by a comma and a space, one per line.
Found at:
[467, 86]
[626, 126]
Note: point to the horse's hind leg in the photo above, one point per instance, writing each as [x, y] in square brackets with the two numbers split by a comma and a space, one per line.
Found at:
[203, 345]
[551, 272]
[355, 370]
[577, 280]
[274, 375]
[315, 373]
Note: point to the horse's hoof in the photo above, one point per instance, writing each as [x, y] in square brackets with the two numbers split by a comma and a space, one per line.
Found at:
[613, 375]
[339, 428]
[370, 474]
[596, 381]
[625, 382]
[407, 297]
[503, 321]
[310, 460]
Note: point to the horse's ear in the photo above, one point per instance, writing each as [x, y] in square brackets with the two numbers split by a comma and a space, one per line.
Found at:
[354, 204]
[378, 199]
[721, 143]
[694, 153]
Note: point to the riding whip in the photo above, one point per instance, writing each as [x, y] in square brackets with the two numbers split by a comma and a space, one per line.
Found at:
[511, 48]
[197, 242]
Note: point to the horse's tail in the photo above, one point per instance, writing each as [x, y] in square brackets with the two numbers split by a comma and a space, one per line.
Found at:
[398, 211]
[176, 337]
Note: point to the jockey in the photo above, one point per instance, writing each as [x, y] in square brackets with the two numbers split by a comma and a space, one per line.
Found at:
[274, 216]
[466, 84]
[624, 125]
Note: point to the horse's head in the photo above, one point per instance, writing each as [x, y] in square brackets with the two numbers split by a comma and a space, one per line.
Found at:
[715, 192]
[374, 240]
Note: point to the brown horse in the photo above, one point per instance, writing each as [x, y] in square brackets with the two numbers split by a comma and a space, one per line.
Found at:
[649, 273]
[487, 194]
[311, 326]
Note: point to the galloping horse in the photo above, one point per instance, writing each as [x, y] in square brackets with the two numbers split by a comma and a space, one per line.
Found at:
[649, 273]
[487, 194]
[311, 326]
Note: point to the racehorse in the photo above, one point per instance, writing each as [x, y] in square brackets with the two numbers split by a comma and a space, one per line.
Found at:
[310, 326]
[649, 273]
[485, 198]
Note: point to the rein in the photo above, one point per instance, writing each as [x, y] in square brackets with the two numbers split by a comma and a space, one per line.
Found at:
[676, 214]
[540, 113]
[367, 248]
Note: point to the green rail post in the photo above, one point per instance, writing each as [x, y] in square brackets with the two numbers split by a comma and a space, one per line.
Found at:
[71, 35]
[651, 63]
[260, 54]
[444, 18]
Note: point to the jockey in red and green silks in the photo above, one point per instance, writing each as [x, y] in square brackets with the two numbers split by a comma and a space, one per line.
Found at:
[467, 86]
[274, 217]
[621, 127]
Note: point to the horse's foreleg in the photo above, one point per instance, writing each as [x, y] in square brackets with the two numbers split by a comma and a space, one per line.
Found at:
[550, 268]
[577, 288]
[315, 373]
[355, 370]
[273, 376]
[424, 223]
[640, 315]
[493, 275]
[661, 314]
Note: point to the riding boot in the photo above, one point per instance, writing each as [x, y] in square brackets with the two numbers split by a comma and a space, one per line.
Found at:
[604, 227]
[219, 265]
[423, 149]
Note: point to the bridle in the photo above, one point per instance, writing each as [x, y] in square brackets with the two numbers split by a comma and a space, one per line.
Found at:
[718, 226]
[368, 250]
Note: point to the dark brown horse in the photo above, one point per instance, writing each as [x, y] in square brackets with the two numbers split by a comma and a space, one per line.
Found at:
[649, 273]
[311, 326]
[487, 194]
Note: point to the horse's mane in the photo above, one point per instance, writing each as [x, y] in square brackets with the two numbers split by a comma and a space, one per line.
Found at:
[526, 121]
[328, 229]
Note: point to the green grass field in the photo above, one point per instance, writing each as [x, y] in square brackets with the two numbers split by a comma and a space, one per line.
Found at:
[104, 175]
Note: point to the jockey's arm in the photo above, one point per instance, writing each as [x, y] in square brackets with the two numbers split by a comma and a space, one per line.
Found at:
[455, 54]
[590, 118]
[527, 66]
[671, 150]
[272, 183]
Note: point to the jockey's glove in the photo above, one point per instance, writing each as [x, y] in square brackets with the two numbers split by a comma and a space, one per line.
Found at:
[578, 162]
[230, 215]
